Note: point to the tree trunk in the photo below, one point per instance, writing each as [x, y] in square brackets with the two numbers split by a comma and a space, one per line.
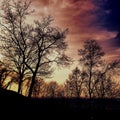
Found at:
[89, 84]
[32, 85]
[20, 84]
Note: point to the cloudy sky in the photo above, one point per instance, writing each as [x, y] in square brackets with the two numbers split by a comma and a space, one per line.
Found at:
[86, 19]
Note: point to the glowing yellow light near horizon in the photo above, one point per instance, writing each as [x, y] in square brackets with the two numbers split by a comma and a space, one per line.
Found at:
[60, 75]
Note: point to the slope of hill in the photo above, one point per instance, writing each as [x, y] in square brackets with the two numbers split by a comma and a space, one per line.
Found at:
[93, 109]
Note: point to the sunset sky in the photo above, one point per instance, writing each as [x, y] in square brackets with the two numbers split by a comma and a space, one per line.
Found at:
[85, 19]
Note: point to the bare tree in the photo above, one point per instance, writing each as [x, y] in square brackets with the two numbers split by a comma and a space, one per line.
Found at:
[7, 77]
[74, 84]
[48, 46]
[90, 57]
[60, 93]
[107, 85]
[14, 35]
[3, 74]
[52, 89]
[39, 88]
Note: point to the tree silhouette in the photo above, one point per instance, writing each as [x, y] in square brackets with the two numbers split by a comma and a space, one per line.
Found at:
[107, 86]
[74, 84]
[14, 35]
[90, 57]
[39, 88]
[52, 89]
[60, 93]
[6, 76]
[3, 75]
[48, 45]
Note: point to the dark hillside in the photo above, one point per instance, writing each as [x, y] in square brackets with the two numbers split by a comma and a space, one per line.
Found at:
[11, 100]
[61, 107]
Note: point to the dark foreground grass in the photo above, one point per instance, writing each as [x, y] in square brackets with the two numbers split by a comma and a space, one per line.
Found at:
[58, 108]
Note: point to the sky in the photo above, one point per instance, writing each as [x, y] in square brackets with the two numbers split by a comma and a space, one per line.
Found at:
[85, 19]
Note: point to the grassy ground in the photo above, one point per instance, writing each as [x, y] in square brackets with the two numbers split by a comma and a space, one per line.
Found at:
[62, 108]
